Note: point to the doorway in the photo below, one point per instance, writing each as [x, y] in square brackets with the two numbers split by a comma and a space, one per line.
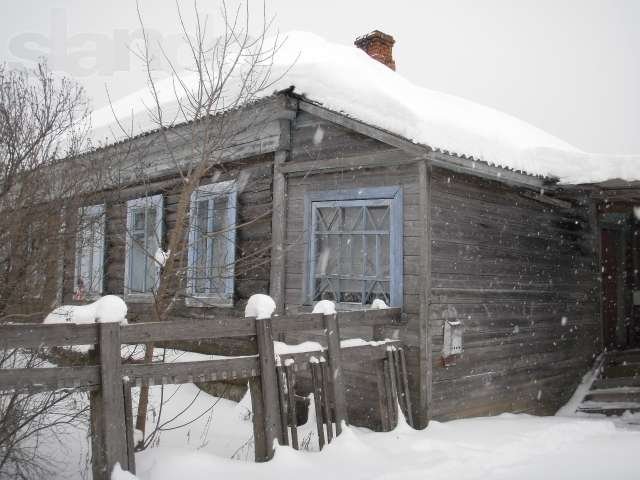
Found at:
[620, 235]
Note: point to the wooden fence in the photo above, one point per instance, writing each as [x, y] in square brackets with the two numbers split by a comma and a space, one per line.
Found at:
[271, 382]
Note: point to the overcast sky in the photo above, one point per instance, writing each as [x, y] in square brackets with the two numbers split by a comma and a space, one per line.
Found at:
[570, 67]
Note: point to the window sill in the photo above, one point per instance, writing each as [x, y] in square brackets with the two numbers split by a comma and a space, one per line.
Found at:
[139, 297]
[344, 307]
[207, 302]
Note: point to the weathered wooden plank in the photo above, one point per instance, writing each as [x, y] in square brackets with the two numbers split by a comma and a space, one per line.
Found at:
[354, 354]
[188, 372]
[370, 318]
[326, 403]
[293, 420]
[269, 381]
[282, 388]
[261, 451]
[371, 160]
[425, 378]
[362, 128]
[316, 379]
[128, 410]
[293, 323]
[113, 409]
[37, 379]
[188, 329]
[278, 230]
[51, 335]
[332, 329]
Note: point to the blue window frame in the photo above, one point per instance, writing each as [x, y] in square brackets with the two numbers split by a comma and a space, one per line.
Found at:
[212, 240]
[145, 220]
[354, 246]
[89, 271]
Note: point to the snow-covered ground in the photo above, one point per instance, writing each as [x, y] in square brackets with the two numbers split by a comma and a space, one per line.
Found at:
[503, 447]
[213, 439]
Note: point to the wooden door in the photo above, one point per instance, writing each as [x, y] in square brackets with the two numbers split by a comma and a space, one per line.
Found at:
[611, 296]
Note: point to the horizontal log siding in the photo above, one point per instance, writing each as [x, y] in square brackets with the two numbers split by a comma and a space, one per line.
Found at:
[511, 268]
[252, 247]
[315, 139]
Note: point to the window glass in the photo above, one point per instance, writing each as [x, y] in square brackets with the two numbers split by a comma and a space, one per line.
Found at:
[144, 221]
[212, 243]
[89, 252]
[351, 251]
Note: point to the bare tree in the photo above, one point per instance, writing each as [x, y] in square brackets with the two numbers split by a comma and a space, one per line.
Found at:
[43, 119]
[230, 67]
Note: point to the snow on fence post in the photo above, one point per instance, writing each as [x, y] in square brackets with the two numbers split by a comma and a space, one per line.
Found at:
[113, 408]
[262, 307]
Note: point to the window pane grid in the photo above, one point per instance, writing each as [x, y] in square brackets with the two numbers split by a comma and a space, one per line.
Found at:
[144, 231]
[212, 242]
[89, 251]
[348, 242]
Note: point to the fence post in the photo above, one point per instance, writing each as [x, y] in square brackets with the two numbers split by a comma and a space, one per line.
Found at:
[332, 328]
[96, 420]
[269, 382]
[257, 407]
[113, 411]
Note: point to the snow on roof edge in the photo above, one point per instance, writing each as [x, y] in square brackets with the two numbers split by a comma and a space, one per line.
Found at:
[332, 75]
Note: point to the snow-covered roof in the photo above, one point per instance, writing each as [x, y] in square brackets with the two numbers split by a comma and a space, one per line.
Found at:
[346, 80]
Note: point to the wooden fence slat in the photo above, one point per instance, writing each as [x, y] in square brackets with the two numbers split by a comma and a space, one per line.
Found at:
[355, 354]
[36, 379]
[113, 414]
[294, 323]
[36, 335]
[293, 420]
[272, 423]
[405, 384]
[371, 318]
[187, 372]
[332, 328]
[398, 380]
[383, 402]
[326, 404]
[96, 421]
[128, 416]
[188, 329]
[317, 398]
[391, 394]
[284, 439]
[52, 335]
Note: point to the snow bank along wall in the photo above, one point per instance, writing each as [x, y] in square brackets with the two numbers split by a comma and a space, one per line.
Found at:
[518, 273]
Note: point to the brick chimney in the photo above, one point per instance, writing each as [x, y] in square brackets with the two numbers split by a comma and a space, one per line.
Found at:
[378, 46]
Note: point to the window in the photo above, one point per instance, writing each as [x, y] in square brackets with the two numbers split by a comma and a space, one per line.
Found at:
[212, 239]
[144, 238]
[354, 247]
[88, 277]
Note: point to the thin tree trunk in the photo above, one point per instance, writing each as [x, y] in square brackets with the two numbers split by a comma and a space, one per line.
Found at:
[143, 402]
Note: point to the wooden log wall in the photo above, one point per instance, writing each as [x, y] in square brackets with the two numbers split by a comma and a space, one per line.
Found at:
[314, 140]
[519, 273]
[522, 277]
[253, 238]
